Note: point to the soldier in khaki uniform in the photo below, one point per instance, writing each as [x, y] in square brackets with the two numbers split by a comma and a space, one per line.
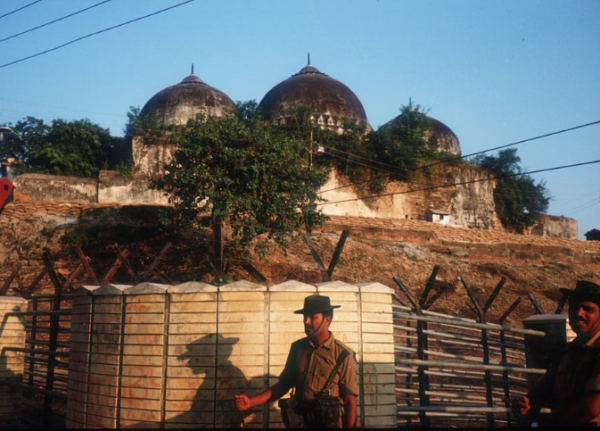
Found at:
[309, 365]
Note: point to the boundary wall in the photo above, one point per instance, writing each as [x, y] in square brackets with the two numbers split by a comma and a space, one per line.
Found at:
[12, 336]
[158, 356]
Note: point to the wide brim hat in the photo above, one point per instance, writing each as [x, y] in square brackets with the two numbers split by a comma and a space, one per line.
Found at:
[584, 291]
[316, 304]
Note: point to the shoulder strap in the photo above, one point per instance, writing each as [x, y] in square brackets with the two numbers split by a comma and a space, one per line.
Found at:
[339, 361]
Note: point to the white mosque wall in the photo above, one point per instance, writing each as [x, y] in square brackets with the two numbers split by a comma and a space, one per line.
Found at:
[471, 205]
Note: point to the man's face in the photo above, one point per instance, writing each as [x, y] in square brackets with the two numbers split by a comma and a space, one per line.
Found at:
[316, 325]
[584, 317]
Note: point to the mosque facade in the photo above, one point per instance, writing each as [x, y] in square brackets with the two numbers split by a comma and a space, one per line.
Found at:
[332, 104]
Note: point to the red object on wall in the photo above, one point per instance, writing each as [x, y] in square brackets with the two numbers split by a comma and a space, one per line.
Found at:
[6, 192]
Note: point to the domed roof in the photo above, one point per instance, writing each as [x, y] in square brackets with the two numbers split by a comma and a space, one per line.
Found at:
[177, 104]
[443, 137]
[331, 102]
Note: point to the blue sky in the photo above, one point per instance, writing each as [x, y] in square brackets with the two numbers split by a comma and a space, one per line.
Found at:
[495, 71]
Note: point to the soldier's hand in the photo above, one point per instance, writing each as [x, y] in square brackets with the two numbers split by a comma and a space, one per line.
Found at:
[521, 406]
[242, 402]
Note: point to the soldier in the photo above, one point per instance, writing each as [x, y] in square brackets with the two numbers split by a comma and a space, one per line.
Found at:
[310, 363]
[572, 388]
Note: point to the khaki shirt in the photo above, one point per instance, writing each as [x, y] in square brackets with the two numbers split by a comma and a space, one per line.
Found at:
[308, 368]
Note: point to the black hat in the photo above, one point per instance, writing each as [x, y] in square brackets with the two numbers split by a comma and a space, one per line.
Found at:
[584, 291]
[316, 304]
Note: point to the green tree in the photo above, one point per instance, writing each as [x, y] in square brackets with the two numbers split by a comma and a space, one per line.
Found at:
[242, 170]
[519, 199]
[403, 144]
[27, 138]
[72, 148]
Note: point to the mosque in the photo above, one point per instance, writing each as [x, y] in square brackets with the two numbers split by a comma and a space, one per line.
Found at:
[469, 204]
[331, 102]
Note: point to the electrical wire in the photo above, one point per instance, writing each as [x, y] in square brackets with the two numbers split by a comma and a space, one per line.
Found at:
[362, 164]
[21, 8]
[467, 155]
[54, 21]
[582, 208]
[463, 183]
[358, 157]
[585, 205]
[95, 33]
[558, 132]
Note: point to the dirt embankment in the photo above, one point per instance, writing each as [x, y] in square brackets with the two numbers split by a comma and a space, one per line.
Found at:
[376, 250]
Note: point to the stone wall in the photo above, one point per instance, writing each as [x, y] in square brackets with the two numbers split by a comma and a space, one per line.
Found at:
[126, 190]
[150, 158]
[110, 187]
[157, 356]
[470, 205]
[12, 334]
[56, 188]
[554, 227]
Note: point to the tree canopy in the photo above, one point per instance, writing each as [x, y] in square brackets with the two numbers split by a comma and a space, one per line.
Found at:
[241, 169]
[76, 148]
[518, 198]
[395, 152]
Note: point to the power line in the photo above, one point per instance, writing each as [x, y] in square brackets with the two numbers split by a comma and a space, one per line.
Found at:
[467, 155]
[463, 183]
[570, 213]
[54, 21]
[362, 164]
[580, 207]
[96, 33]
[21, 8]
[558, 132]
[359, 157]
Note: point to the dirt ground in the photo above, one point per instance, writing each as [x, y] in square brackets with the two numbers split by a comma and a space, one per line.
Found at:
[375, 250]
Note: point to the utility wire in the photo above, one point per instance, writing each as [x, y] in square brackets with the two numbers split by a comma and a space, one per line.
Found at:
[362, 164]
[467, 155]
[52, 22]
[95, 33]
[463, 183]
[359, 157]
[21, 8]
[586, 204]
[558, 132]
[570, 213]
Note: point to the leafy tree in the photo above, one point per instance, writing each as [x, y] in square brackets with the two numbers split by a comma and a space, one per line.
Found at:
[403, 144]
[72, 148]
[243, 170]
[519, 200]
[25, 140]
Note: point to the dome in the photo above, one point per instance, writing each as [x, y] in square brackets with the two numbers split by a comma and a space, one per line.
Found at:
[177, 104]
[440, 134]
[331, 102]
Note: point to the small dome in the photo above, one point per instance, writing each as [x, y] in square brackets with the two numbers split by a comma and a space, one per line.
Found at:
[331, 102]
[443, 137]
[177, 104]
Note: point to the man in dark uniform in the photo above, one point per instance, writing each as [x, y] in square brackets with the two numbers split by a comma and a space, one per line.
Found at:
[310, 363]
[572, 388]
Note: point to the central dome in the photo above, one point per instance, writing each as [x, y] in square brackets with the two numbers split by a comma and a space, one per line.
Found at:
[330, 101]
[177, 104]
